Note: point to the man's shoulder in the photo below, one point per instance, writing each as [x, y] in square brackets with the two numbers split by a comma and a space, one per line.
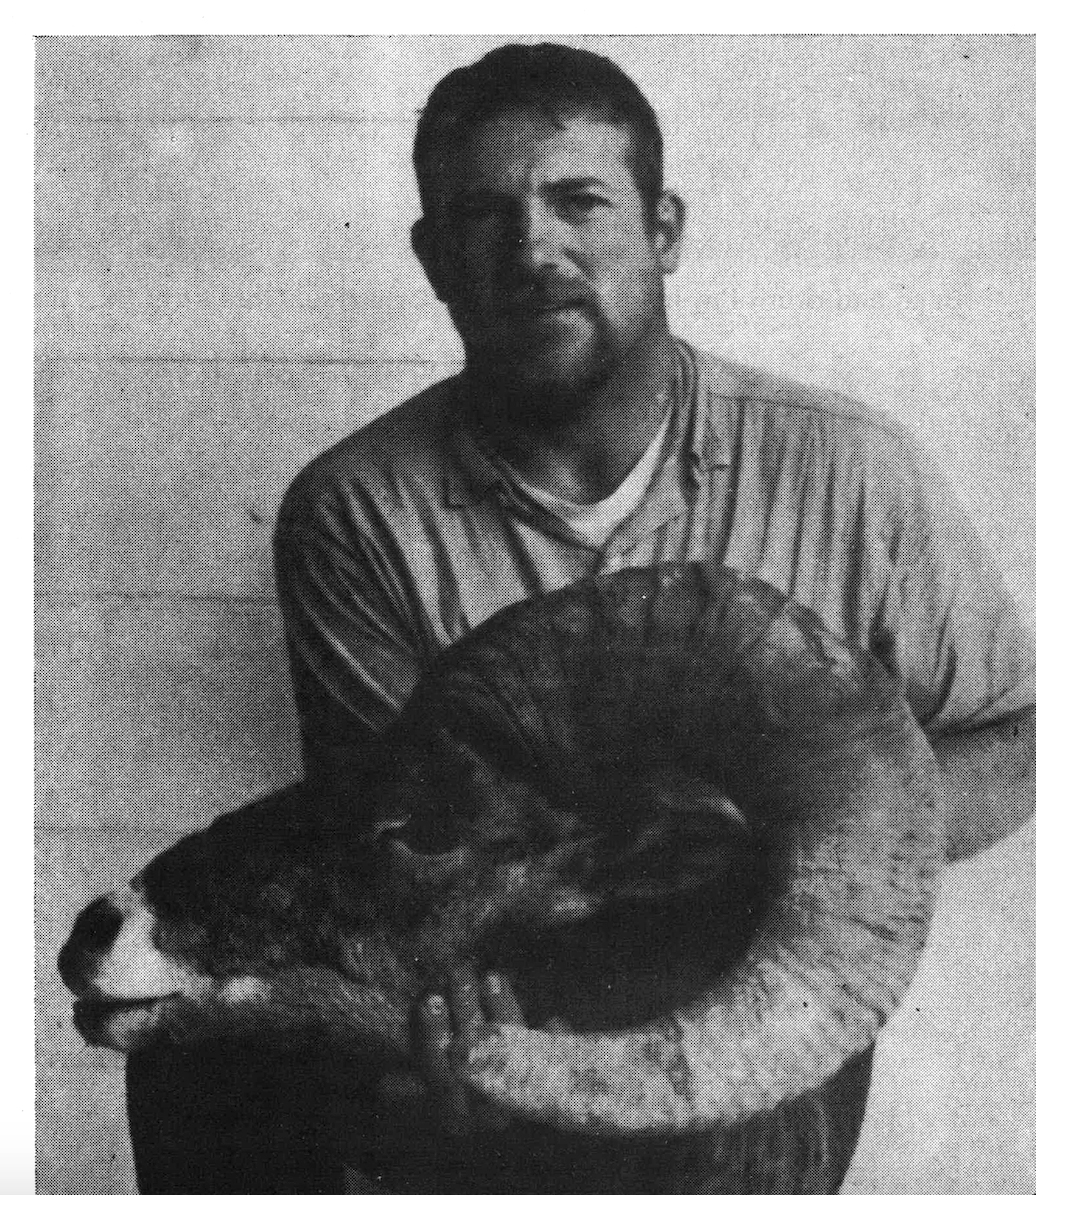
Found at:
[404, 446]
[792, 405]
[787, 422]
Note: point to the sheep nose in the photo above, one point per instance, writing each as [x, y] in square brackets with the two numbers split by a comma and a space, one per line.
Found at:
[94, 931]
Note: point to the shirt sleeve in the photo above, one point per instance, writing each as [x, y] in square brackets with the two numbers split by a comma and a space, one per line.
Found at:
[947, 623]
[354, 657]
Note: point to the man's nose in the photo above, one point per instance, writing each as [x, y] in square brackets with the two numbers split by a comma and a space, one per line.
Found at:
[539, 240]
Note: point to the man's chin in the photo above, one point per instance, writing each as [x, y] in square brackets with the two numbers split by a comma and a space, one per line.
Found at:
[551, 379]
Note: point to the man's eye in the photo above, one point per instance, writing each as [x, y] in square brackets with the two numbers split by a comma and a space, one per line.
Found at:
[583, 202]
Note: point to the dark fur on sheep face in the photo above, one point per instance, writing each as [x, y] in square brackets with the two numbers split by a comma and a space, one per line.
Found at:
[689, 819]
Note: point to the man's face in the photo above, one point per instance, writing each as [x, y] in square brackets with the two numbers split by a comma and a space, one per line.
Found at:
[540, 248]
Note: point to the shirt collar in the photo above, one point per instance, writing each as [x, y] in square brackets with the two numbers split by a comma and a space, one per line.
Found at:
[469, 476]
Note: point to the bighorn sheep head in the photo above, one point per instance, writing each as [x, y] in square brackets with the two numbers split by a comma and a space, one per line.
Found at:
[693, 822]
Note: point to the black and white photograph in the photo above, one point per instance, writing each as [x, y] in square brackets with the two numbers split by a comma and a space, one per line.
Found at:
[534, 573]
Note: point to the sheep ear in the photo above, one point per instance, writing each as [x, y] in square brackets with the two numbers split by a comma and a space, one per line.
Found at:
[424, 871]
[689, 835]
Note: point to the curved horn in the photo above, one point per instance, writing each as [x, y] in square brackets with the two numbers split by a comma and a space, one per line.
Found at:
[829, 966]
[824, 754]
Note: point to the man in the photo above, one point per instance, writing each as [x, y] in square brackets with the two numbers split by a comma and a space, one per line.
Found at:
[583, 437]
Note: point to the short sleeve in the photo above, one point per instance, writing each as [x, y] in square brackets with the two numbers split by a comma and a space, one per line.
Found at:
[947, 623]
[354, 657]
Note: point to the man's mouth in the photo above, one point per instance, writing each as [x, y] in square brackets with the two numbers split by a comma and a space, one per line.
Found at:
[550, 312]
[538, 308]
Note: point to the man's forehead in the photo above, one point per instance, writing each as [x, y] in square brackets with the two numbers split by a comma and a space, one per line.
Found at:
[510, 150]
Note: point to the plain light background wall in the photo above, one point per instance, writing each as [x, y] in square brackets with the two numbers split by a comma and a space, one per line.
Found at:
[225, 288]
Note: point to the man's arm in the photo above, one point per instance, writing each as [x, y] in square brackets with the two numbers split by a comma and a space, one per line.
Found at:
[953, 631]
[355, 659]
[354, 655]
[987, 782]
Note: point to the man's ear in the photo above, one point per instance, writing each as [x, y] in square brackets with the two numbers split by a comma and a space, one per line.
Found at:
[427, 252]
[669, 222]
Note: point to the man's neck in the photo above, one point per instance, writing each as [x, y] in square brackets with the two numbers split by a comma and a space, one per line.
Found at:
[585, 452]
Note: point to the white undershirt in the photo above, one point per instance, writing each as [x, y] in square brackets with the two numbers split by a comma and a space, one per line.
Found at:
[592, 523]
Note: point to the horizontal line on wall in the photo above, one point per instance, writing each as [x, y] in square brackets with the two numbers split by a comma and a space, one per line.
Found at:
[389, 120]
[240, 359]
[171, 261]
[58, 598]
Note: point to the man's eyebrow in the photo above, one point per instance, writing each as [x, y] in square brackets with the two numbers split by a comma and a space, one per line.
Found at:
[485, 195]
[578, 184]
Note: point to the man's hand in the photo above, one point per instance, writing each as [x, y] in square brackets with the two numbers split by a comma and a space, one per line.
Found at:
[446, 1026]
[423, 1111]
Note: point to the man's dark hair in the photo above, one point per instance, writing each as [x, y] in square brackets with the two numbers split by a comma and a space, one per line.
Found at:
[555, 81]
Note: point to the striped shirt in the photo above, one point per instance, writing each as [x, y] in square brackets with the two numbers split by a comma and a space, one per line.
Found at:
[407, 535]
